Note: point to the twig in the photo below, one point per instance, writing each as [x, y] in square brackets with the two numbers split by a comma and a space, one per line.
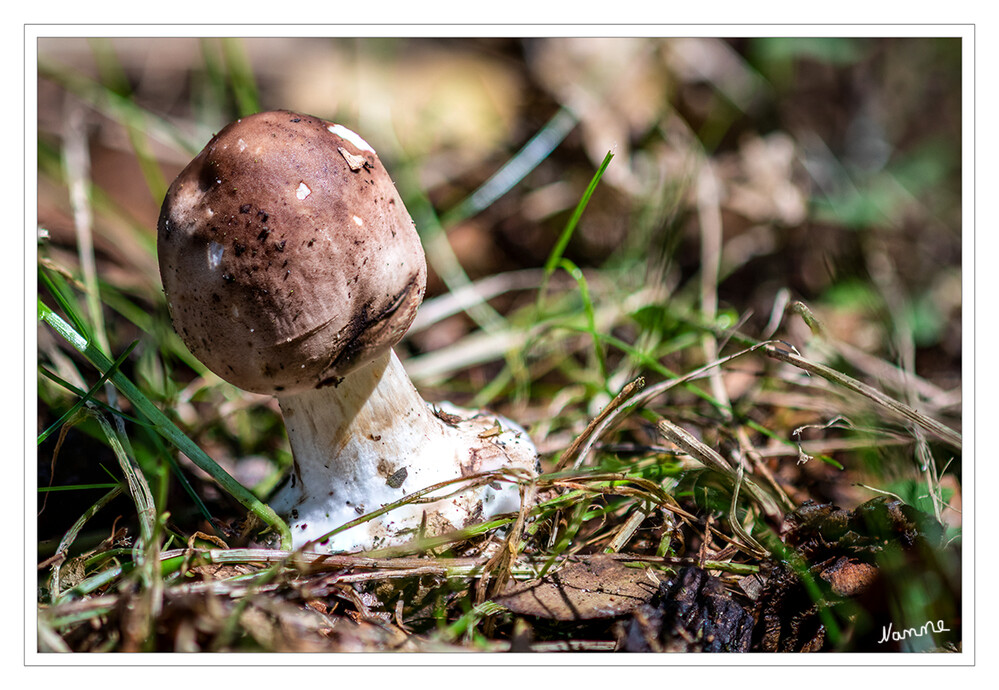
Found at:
[596, 426]
[750, 451]
[944, 433]
[628, 529]
[710, 458]
[709, 216]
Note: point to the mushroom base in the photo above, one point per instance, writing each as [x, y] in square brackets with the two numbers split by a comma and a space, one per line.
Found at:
[371, 440]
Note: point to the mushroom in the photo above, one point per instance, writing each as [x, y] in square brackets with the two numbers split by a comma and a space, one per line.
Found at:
[291, 268]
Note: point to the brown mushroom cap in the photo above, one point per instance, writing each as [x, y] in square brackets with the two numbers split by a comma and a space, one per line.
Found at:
[286, 254]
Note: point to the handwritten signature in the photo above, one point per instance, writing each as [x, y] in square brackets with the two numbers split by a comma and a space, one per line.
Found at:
[898, 635]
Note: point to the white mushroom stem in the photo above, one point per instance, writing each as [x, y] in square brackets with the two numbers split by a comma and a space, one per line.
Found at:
[371, 440]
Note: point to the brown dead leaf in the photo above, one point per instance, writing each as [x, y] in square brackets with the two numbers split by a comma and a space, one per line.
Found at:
[599, 587]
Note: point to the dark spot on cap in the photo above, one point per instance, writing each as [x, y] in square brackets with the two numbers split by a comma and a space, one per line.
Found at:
[330, 381]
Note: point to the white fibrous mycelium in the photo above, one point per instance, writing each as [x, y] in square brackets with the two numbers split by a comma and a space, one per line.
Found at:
[291, 268]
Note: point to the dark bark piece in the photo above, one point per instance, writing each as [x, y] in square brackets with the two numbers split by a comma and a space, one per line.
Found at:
[693, 613]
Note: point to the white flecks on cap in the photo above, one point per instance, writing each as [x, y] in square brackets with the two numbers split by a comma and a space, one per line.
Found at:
[350, 136]
[215, 251]
[242, 145]
[359, 222]
[303, 191]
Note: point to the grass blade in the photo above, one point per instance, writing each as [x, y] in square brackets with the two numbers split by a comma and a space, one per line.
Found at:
[138, 487]
[591, 322]
[89, 394]
[941, 431]
[563, 241]
[165, 427]
[516, 169]
[570, 227]
[81, 393]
